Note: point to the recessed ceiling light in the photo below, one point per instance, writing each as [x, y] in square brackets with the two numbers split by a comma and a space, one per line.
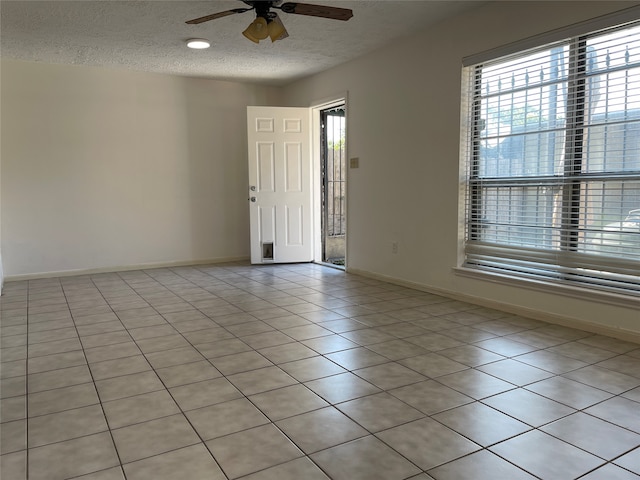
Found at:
[198, 43]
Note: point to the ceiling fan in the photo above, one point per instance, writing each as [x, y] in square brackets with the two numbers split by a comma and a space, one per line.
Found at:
[268, 24]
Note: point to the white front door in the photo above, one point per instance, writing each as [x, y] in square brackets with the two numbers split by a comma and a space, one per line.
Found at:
[280, 196]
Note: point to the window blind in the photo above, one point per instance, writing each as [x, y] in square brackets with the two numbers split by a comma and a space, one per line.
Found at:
[552, 162]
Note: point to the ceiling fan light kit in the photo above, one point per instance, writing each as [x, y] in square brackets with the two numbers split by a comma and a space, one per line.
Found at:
[257, 30]
[276, 29]
[260, 29]
[268, 24]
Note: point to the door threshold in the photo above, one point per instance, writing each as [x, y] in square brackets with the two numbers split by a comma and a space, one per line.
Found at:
[332, 265]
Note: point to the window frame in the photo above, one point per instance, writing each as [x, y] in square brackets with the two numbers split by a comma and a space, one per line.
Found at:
[572, 178]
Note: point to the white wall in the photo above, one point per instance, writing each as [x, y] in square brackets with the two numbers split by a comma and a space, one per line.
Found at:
[1, 269]
[103, 168]
[404, 125]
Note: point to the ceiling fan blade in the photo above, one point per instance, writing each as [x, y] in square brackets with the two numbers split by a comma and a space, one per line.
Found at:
[334, 13]
[213, 16]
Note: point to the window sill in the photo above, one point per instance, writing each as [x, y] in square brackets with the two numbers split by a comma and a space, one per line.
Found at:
[554, 288]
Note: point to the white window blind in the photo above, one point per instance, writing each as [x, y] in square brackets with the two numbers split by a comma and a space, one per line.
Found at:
[552, 160]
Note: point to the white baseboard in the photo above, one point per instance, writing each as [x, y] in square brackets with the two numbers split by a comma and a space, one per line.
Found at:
[622, 334]
[123, 268]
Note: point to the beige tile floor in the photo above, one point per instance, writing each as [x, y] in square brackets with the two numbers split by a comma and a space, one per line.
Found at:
[301, 372]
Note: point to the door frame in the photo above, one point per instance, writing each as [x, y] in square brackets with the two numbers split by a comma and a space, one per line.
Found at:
[316, 167]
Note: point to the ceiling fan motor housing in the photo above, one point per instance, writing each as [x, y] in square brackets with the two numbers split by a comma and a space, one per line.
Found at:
[262, 9]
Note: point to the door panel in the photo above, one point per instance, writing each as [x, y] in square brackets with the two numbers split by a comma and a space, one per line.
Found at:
[294, 227]
[280, 210]
[293, 164]
[266, 167]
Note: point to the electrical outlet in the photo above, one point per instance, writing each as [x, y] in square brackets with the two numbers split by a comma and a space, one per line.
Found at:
[394, 247]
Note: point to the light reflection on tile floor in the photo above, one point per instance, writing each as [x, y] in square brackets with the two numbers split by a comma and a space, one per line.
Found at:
[301, 372]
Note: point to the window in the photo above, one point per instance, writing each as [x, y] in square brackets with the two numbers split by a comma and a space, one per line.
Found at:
[552, 162]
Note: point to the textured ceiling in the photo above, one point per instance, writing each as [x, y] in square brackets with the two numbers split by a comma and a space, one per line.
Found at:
[150, 35]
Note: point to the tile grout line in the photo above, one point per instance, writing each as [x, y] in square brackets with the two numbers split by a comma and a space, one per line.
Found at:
[183, 412]
[273, 423]
[153, 369]
[332, 405]
[248, 279]
[106, 420]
